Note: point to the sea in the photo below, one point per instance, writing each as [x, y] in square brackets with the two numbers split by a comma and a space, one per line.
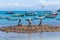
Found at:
[27, 36]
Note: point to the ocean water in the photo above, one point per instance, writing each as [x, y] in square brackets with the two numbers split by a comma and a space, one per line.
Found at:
[26, 36]
[47, 21]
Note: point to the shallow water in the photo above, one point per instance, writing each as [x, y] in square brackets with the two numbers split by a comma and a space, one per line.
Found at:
[35, 36]
[26, 36]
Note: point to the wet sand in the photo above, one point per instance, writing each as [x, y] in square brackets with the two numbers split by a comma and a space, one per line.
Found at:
[31, 29]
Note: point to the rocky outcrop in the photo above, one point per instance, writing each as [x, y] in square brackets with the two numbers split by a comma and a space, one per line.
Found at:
[58, 10]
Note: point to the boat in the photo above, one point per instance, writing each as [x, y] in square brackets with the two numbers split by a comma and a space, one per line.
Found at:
[50, 15]
[30, 13]
[18, 15]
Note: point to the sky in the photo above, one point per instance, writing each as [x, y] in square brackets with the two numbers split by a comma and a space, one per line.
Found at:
[17, 5]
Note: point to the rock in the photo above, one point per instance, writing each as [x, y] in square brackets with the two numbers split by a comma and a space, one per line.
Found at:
[58, 10]
[9, 13]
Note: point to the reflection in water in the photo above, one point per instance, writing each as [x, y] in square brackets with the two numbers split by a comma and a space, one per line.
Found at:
[19, 36]
[27, 36]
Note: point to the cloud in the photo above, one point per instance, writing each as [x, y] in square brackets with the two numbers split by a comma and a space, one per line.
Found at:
[16, 4]
[49, 2]
[42, 2]
[8, 4]
[19, 4]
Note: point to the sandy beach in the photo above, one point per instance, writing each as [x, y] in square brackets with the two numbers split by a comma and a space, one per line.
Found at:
[30, 29]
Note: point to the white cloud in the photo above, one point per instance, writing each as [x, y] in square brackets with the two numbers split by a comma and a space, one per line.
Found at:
[49, 2]
[16, 4]
[8, 4]
[26, 4]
